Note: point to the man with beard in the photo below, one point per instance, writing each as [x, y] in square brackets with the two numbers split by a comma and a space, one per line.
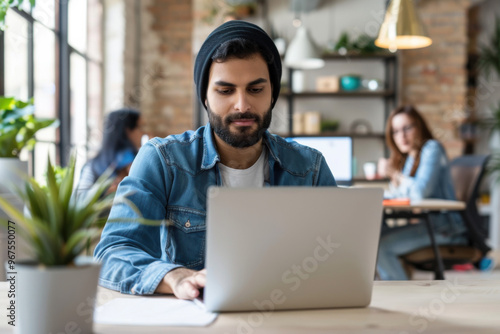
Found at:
[237, 75]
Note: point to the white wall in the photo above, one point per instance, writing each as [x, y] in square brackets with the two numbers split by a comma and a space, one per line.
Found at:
[114, 34]
[331, 18]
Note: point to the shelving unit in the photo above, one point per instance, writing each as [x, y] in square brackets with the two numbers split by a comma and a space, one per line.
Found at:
[389, 93]
[363, 142]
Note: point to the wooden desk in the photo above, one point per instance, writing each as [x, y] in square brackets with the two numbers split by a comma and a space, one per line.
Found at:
[420, 210]
[457, 306]
[430, 205]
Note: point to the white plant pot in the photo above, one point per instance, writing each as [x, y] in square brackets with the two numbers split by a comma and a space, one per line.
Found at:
[11, 170]
[56, 299]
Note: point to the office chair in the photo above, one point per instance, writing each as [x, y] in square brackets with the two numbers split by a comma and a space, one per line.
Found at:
[467, 173]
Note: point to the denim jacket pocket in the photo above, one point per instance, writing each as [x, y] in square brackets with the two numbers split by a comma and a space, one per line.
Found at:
[186, 237]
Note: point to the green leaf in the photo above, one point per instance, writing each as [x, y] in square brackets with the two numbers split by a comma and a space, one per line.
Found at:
[18, 126]
[56, 212]
[7, 103]
[66, 187]
[11, 211]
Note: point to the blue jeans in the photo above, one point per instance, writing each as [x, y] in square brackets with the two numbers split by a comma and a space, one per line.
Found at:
[397, 241]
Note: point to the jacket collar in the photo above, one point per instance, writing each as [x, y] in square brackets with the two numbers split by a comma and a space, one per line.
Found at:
[210, 154]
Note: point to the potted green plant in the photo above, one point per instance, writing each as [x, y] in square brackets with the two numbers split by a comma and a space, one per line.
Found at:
[53, 289]
[56, 288]
[18, 126]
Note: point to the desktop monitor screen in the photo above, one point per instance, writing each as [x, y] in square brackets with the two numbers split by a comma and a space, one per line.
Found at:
[337, 152]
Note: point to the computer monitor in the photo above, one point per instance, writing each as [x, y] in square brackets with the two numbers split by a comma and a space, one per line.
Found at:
[337, 152]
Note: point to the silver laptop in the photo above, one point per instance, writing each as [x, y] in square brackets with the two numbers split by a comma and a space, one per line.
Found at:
[276, 248]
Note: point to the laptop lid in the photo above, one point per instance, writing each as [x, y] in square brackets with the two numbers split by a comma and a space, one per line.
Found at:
[278, 248]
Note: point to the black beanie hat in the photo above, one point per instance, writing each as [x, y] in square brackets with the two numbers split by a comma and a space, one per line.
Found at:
[226, 32]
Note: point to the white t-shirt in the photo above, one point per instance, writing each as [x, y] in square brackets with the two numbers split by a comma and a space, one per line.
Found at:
[254, 176]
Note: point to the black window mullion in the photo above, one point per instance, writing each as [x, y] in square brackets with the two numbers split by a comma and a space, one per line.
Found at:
[64, 85]
[31, 76]
[87, 70]
[31, 60]
[2, 64]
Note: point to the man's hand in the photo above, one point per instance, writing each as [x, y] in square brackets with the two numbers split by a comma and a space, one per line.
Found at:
[183, 283]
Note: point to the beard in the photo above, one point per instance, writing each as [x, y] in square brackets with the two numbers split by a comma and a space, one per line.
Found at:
[244, 136]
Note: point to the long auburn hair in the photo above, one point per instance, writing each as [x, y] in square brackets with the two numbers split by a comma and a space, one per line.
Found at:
[397, 159]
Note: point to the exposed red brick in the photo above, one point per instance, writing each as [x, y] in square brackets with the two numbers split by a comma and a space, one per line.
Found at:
[170, 104]
[434, 78]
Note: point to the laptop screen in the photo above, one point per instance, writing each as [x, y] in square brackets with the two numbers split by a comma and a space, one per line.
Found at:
[337, 152]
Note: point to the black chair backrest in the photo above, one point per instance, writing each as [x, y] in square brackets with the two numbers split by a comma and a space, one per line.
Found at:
[467, 173]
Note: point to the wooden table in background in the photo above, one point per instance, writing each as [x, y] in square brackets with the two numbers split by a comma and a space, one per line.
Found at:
[421, 210]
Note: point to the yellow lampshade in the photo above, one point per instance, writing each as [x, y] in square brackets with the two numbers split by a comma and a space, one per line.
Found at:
[402, 28]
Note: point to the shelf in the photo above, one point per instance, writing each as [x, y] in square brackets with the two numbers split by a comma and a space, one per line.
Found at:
[387, 94]
[380, 55]
[360, 93]
[335, 134]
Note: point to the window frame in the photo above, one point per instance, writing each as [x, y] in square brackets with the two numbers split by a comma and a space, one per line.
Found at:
[62, 69]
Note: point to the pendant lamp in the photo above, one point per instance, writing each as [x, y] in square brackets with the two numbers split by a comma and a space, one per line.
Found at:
[402, 28]
[302, 52]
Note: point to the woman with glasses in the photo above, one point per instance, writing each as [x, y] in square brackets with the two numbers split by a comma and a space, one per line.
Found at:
[418, 168]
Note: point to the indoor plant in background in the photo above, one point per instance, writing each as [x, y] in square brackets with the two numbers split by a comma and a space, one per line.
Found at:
[493, 124]
[56, 290]
[18, 127]
[489, 63]
[489, 54]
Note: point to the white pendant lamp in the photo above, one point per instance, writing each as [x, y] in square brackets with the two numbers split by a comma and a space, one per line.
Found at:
[302, 52]
[402, 28]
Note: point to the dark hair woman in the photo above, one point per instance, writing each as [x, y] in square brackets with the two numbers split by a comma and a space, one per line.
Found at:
[121, 141]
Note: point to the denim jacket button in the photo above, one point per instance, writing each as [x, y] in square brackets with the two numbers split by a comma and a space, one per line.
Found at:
[188, 224]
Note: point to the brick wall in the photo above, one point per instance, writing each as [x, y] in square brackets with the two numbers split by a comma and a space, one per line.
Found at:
[163, 88]
[434, 79]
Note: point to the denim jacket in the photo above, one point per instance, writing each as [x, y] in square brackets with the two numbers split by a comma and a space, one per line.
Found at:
[432, 180]
[168, 181]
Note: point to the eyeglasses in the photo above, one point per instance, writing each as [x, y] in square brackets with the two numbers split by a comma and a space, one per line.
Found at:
[403, 130]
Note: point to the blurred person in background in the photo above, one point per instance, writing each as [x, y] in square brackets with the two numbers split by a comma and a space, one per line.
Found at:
[122, 135]
[418, 168]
